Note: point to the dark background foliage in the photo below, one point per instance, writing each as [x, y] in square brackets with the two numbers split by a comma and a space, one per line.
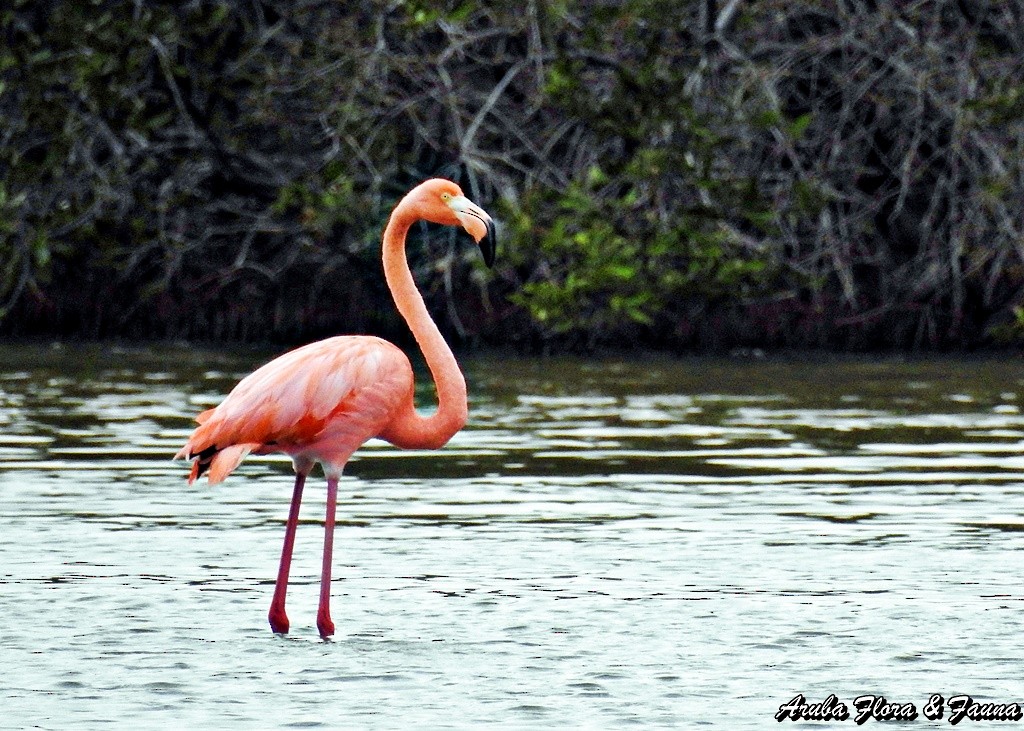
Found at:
[670, 174]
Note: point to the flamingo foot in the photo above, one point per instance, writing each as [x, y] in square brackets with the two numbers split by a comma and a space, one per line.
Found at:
[325, 625]
[278, 620]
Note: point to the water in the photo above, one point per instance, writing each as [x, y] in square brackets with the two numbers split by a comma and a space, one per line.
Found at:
[656, 543]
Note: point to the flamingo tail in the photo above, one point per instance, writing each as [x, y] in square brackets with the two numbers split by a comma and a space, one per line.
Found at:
[216, 464]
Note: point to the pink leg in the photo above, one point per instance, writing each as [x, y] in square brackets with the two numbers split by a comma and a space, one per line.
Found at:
[323, 617]
[278, 618]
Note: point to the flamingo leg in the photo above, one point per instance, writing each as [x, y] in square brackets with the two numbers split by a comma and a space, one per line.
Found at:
[278, 618]
[323, 616]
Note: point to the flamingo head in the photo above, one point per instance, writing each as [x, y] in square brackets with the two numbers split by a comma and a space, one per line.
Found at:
[442, 201]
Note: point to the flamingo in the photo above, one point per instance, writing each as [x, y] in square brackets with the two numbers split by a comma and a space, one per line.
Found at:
[319, 403]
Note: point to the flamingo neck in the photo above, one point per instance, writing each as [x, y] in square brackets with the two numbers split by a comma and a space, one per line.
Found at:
[409, 429]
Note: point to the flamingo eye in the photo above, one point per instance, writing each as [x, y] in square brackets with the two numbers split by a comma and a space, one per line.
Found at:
[446, 197]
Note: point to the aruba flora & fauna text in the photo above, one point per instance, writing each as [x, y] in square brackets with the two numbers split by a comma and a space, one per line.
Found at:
[868, 707]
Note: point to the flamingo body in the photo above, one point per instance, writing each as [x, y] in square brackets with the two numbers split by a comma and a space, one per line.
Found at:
[317, 403]
[321, 402]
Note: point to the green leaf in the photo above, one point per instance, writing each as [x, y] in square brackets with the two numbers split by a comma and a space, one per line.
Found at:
[799, 125]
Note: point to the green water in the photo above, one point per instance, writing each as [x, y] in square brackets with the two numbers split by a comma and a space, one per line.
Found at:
[662, 543]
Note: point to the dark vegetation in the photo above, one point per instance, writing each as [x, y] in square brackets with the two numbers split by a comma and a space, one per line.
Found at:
[668, 173]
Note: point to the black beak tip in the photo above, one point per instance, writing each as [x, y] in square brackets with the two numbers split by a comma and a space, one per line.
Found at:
[489, 244]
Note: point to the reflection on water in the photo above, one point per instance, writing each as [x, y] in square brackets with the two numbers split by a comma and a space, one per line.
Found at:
[667, 542]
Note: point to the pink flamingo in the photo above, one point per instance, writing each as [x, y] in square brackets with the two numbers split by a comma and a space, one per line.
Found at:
[321, 402]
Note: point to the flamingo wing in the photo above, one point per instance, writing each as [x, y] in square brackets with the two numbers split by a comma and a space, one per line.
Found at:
[319, 402]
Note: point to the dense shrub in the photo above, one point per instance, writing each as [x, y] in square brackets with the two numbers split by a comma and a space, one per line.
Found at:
[671, 174]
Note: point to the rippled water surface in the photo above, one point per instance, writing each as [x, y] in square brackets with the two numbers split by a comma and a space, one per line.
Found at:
[659, 543]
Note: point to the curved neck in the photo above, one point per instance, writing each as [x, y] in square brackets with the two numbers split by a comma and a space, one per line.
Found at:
[410, 429]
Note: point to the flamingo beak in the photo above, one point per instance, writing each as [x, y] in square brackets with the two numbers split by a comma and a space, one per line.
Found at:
[477, 224]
